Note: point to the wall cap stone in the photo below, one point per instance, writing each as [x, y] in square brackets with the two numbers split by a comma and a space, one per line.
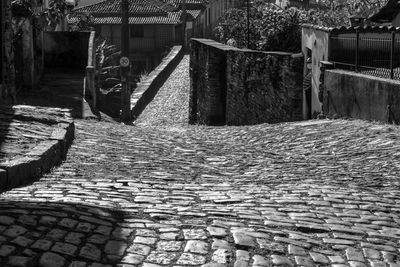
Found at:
[363, 75]
[228, 48]
[46, 154]
[344, 29]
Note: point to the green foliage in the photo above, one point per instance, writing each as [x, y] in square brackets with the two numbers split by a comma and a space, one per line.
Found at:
[106, 54]
[281, 29]
[21, 8]
[275, 29]
[362, 8]
[107, 65]
[57, 10]
[85, 23]
[270, 28]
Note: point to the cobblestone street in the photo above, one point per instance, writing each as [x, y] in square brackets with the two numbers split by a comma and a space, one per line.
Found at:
[162, 193]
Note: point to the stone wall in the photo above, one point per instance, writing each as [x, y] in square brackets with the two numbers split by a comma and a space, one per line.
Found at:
[354, 95]
[263, 87]
[239, 87]
[147, 89]
[208, 82]
[21, 57]
[7, 88]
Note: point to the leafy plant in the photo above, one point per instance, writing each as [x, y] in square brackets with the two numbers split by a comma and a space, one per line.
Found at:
[144, 75]
[281, 29]
[107, 65]
[21, 8]
[270, 28]
[57, 10]
[85, 22]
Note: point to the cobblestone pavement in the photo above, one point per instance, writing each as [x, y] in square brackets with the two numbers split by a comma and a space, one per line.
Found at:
[315, 193]
[22, 128]
[171, 104]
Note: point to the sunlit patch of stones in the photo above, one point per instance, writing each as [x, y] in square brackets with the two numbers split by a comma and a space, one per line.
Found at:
[319, 193]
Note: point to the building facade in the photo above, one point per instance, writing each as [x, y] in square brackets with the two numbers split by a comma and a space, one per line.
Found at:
[154, 26]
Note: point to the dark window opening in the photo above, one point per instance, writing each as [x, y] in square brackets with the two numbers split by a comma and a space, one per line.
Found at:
[136, 31]
[97, 28]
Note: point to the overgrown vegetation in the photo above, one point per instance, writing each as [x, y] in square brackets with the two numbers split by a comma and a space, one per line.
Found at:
[275, 29]
[84, 22]
[52, 15]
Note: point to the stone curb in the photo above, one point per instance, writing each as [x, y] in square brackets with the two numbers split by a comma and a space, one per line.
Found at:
[146, 90]
[39, 160]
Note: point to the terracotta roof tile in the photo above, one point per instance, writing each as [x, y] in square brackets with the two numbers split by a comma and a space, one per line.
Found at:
[141, 12]
[110, 7]
[343, 29]
[170, 18]
[176, 3]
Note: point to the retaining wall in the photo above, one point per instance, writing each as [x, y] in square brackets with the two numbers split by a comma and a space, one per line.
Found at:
[239, 87]
[354, 95]
[146, 90]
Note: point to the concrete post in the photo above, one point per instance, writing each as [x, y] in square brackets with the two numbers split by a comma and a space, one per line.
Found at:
[90, 84]
[322, 95]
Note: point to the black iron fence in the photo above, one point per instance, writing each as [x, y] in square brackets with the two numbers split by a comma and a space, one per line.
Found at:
[373, 53]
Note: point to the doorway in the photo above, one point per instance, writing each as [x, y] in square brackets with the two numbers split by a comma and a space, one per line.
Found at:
[307, 84]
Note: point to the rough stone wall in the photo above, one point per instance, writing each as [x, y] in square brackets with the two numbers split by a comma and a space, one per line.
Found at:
[8, 91]
[208, 86]
[240, 87]
[263, 87]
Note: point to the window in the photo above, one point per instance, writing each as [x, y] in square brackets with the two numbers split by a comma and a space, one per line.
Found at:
[136, 31]
[97, 28]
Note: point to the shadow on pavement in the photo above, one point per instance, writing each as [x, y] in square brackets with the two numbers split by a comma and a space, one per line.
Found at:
[6, 117]
[61, 88]
[59, 233]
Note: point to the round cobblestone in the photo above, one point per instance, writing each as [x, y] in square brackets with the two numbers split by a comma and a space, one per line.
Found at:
[309, 193]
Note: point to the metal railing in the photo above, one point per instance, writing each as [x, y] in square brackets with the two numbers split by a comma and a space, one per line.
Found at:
[376, 54]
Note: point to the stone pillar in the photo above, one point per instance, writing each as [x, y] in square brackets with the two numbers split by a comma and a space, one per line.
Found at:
[2, 14]
[8, 89]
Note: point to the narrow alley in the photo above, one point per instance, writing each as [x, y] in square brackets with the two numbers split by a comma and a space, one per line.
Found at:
[163, 193]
